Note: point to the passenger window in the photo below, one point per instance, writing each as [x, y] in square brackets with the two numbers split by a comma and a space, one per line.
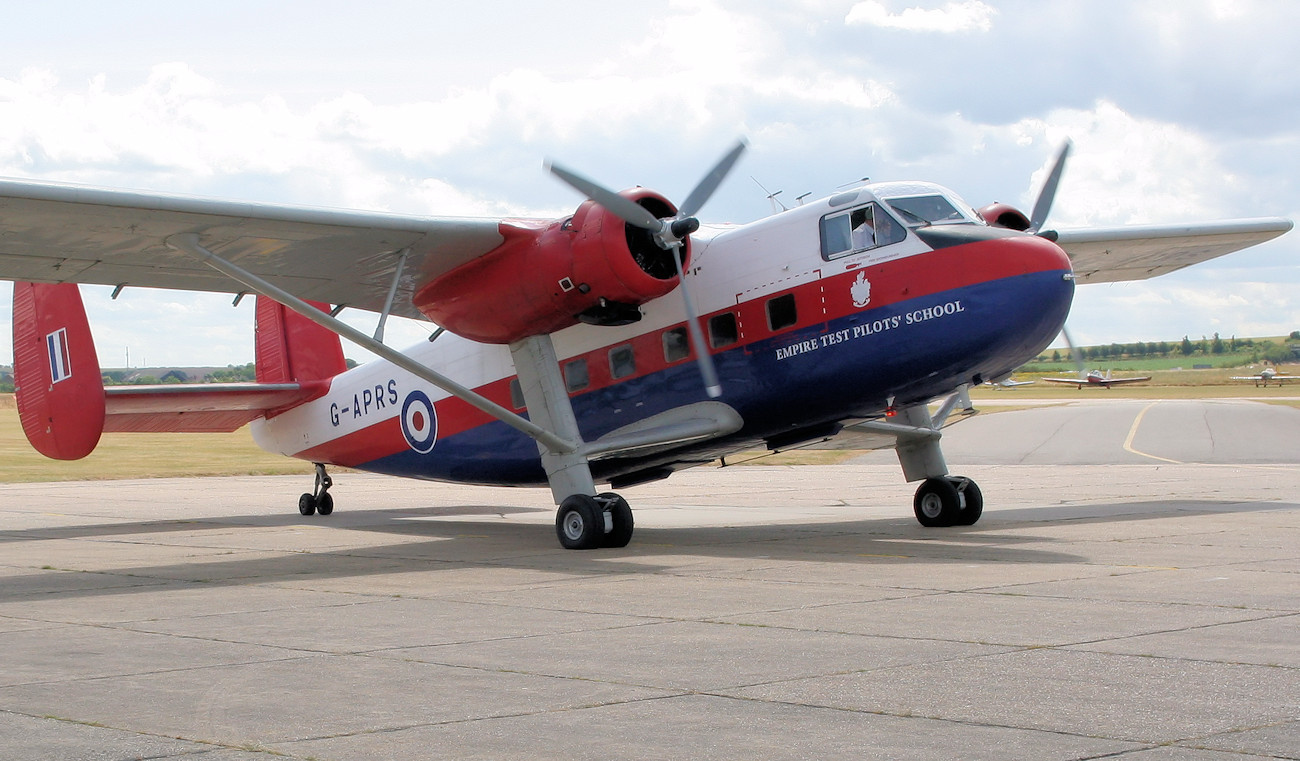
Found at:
[576, 377]
[676, 347]
[723, 330]
[781, 312]
[859, 229]
[516, 394]
[622, 362]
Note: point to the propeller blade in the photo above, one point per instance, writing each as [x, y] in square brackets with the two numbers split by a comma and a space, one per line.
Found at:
[1075, 353]
[700, 195]
[712, 386]
[629, 211]
[1045, 196]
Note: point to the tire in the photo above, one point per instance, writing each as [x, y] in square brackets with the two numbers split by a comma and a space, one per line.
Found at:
[621, 512]
[307, 504]
[580, 523]
[936, 503]
[325, 504]
[974, 499]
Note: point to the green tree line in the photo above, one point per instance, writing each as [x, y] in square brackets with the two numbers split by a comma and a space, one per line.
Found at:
[1256, 350]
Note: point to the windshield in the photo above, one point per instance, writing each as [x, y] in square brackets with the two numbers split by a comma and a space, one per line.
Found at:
[927, 210]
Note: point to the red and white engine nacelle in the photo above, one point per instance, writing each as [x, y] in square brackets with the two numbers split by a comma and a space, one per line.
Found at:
[1000, 214]
[591, 267]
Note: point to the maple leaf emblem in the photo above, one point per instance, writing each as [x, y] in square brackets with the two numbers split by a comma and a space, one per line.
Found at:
[861, 290]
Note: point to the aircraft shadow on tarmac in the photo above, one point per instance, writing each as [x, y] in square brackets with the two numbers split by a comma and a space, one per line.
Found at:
[458, 544]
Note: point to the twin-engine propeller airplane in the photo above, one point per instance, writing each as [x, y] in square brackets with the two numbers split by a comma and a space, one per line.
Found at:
[562, 356]
[1097, 378]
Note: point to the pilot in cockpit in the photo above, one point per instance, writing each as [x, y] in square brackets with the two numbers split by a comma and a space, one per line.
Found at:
[862, 230]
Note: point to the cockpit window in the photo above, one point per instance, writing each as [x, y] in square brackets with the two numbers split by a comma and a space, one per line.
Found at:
[919, 211]
[854, 230]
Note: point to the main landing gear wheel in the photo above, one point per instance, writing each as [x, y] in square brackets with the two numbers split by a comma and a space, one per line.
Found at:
[586, 523]
[948, 501]
[579, 523]
[319, 500]
[620, 522]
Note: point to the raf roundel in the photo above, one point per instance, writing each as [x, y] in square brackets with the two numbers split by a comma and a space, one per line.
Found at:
[419, 422]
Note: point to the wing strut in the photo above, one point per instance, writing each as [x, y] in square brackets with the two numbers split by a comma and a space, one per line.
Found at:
[392, 293]
[189, 243]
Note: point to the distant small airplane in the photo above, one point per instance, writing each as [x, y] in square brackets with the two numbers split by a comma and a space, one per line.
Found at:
[1008, 383]
[1265, 376]
[1096, 378]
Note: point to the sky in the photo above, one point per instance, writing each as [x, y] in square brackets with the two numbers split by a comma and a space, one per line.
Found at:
[1180, 110]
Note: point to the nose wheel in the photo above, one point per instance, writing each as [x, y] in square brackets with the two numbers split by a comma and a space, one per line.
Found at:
[319, 500]
[586, 523]
[948, 501]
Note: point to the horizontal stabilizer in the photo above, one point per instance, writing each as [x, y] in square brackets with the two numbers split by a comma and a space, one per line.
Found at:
[200, 408]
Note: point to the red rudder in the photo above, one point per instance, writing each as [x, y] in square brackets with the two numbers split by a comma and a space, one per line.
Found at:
[293, 349]
[58, 385]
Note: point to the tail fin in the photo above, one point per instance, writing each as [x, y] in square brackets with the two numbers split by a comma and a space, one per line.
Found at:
[59, 388]
[291, 348]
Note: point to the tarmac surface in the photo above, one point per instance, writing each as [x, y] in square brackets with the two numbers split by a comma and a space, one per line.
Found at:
[1132, 592]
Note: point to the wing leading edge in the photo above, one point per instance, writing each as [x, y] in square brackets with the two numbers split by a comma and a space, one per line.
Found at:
[1108, 255]
[57, 233]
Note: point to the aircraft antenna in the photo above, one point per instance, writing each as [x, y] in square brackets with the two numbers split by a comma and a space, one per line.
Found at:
[776, 205]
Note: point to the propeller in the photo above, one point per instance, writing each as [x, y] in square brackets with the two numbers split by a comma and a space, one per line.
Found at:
[1075, 354]
[1042, 207]
[1045, 196]
[668, 233]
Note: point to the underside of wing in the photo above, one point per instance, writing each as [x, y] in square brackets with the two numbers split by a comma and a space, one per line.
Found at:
[1108, 255]
[64, 233]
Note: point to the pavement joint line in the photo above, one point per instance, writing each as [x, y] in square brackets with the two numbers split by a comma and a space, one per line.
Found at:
[139, 732]
[913, 715]
[137, 674]
[1188, 628]
[513, 638]
[1238, 730]
[495, 717]
[1171, 603]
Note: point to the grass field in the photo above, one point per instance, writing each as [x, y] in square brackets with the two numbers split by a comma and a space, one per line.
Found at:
[140, 455]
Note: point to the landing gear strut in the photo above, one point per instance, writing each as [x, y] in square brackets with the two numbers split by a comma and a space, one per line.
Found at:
[319, 500]
[586, 523]
[948, 501]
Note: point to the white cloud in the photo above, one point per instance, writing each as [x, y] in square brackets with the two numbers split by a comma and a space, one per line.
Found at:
[1127, 170]
[952, 18]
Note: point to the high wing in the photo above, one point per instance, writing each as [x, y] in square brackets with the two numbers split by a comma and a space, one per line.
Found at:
[57, 233]
[1108, 255]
